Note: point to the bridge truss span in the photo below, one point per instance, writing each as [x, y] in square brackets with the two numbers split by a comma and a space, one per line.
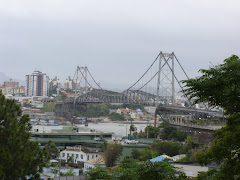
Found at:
[156, 86]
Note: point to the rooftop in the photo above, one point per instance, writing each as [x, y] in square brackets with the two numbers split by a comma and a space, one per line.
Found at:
[80, 148]
[97, 161]
[161, 158]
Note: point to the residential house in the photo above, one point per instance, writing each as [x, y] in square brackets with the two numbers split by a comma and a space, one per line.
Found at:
[2, 88]
[12, 90]
[136, 115]
[78, 153]
[9, 96]
[92, 163]
[8, 90]
[36, 110]
[191, 170]
[162, 158]
[123, 111]
[19, 91]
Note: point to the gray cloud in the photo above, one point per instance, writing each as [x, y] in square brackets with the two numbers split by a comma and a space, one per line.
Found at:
[117, 40]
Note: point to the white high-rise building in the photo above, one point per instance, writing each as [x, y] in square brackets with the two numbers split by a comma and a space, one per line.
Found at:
[56, 82]
[68, 84]
[37, 84]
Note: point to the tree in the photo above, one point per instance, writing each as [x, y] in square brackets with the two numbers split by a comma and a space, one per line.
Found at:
[158, 170]
[190, 143]
[137, 171]
[147, 154]
[48, 107]
[52, 149]
[152, 131]
[135, 153]
[179, 136]
[116, 117]
[132, 128]
[62, 96]
[170, 132]
[97, 173]
[128, 162]
[103, 146]
[52, 89]
[220, 86]
[169, 148]
[18, 156]
[210, 175]
[70, 159]
[68, 173]
[112, 153]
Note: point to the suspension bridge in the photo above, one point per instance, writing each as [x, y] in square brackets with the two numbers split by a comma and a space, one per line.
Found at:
[156, 87]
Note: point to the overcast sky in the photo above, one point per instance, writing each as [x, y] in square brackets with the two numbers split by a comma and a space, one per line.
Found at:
[117, 40]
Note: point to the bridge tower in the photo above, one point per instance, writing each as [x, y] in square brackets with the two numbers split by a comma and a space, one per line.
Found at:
[80, 79]
[165, 79]
[81, 84]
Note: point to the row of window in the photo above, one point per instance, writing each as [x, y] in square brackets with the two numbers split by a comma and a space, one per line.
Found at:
[77, 156]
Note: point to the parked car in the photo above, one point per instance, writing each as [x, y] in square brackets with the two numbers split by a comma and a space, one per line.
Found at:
[131, 141]
[98, 139]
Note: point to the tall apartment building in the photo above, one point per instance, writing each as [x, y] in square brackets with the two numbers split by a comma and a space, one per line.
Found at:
[68, 84]
[37, 84]
[56, 82]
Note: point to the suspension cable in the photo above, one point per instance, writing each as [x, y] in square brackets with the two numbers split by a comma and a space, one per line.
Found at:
[175, 77]
[143, 74]
[85, 79]
[187, 77]
[154, 75]
[94, 79]
[181, 66]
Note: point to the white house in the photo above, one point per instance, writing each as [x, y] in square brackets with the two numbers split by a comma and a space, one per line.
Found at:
[123, 111]
[98, 161]
[78, 153]
[135, 114]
